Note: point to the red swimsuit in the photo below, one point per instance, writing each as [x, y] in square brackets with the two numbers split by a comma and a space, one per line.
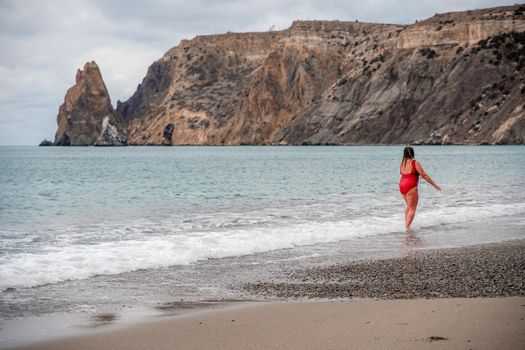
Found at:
[408, 181]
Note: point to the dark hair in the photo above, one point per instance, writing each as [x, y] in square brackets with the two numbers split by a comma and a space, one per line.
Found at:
[408, 153]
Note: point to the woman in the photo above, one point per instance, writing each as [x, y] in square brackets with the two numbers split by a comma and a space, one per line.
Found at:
[410, 170]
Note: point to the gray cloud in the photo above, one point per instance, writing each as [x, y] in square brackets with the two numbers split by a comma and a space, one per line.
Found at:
[43, 43]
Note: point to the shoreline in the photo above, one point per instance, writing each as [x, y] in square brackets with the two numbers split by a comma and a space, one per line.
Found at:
[310, 291]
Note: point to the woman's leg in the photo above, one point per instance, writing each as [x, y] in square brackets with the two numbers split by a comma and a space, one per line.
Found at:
[406, 210]
[412, 198]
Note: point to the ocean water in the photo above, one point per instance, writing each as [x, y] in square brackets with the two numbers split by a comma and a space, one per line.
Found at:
[77, 224]
[72, 213]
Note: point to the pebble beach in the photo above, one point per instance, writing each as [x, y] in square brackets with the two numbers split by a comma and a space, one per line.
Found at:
[490, 270]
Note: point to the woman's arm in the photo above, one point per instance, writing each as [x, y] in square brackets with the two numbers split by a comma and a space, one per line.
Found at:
[424, 175]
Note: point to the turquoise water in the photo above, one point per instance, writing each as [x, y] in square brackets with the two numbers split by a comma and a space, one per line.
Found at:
[73, 213]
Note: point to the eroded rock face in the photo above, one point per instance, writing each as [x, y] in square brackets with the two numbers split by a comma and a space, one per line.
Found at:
[86, 117]
[199, 87]
[462, 28]
[111, 134]
[456, 78]
[444, 95]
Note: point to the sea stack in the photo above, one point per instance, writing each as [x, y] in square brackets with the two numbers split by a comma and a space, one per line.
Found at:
[87, 117]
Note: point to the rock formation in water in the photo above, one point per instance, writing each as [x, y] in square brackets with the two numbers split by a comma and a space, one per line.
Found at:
[87, 117]
[455, 78]
[46, 142]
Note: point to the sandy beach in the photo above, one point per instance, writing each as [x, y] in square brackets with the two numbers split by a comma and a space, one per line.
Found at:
[460, 298]
[454, 323]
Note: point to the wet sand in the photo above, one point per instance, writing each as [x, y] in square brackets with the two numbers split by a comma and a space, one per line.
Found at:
[452, 323]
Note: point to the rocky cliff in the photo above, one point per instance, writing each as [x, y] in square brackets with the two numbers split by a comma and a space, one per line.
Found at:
[455, 78]
[87, 117]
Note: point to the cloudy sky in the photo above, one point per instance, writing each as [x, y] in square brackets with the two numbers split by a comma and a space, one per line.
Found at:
[43, 43]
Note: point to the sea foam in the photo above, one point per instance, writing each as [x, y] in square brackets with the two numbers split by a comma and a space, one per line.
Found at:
[79, 261]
